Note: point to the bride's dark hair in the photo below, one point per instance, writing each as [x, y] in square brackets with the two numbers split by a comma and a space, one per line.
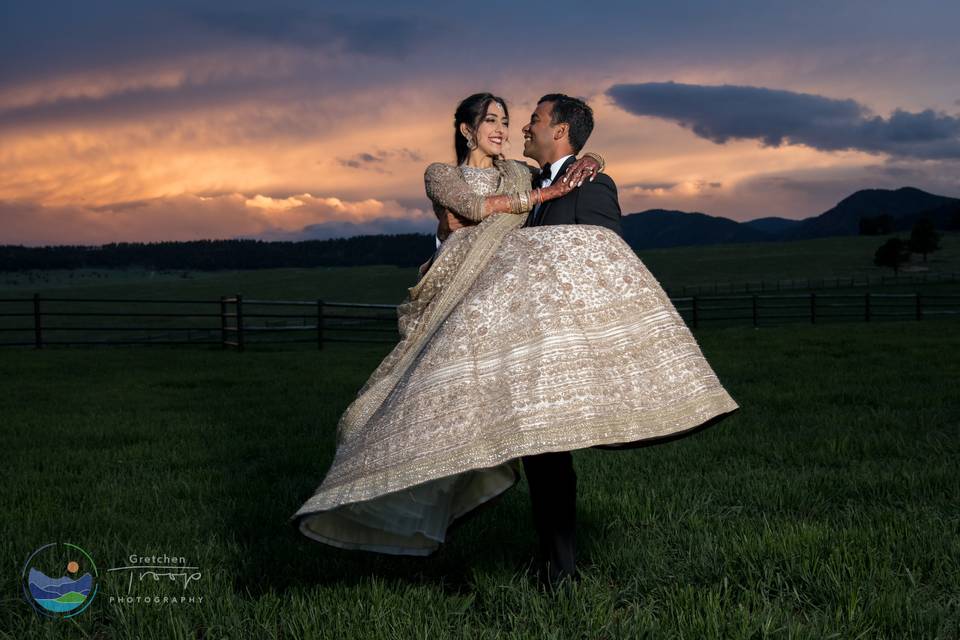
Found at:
[471, 111]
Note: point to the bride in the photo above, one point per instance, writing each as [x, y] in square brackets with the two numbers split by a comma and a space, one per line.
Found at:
[517, 342]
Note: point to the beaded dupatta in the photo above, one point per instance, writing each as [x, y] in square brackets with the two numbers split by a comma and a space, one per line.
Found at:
[461, 260]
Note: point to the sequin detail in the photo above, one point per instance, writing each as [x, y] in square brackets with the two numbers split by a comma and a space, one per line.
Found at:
[541, 353]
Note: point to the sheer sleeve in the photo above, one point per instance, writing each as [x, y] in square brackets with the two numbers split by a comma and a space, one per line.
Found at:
[446, 188]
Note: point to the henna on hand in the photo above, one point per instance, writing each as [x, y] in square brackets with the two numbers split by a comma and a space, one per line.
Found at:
[583, 168]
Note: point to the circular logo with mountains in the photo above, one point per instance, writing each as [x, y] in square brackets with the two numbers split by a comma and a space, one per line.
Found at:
[59, 580]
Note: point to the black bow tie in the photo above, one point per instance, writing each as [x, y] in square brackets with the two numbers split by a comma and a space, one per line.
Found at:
[544, 174]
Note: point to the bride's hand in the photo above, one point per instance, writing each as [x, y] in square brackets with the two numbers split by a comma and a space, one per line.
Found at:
[557, 189]
[583, 168]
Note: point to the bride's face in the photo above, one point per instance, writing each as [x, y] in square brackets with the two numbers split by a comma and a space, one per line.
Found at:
[493, 131]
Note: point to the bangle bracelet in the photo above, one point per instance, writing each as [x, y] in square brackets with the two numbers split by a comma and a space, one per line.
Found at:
[598, 158]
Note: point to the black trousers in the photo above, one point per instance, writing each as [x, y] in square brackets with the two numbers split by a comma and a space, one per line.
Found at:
[553, 495]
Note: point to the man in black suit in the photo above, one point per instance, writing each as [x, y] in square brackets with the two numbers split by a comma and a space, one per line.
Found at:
[557, 131]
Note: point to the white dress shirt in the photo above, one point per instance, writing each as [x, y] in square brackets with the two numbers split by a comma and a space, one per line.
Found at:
[554, 168]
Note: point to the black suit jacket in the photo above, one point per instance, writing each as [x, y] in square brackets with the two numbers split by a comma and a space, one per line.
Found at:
[592, 203]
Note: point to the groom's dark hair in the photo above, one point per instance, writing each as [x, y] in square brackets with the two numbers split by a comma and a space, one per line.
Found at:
[573, 112]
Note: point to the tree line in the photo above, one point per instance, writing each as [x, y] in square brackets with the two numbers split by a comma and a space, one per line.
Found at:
[403, 250]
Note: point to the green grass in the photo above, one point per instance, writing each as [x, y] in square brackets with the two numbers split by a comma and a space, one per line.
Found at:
[342, 284]
[826, 508]
[815, 259]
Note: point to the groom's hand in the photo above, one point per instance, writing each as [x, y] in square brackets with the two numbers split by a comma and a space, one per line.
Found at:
[450, 222]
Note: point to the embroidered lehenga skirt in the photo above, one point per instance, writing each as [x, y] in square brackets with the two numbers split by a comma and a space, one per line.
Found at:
[559, 339]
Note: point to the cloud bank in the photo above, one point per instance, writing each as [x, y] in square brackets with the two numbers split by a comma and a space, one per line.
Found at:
[191, 217]
[777, 117]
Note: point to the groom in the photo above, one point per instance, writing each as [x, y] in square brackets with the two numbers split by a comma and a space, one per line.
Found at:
[557, 131]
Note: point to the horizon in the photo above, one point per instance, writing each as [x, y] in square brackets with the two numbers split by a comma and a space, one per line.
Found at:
[133, 122]
[429, 233]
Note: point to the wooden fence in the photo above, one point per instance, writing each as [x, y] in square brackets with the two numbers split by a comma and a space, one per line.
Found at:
[807, 284]
[237, 322]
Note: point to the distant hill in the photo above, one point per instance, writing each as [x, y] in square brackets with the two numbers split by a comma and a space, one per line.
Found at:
[844, 219]
[657, 228]
[772, 225]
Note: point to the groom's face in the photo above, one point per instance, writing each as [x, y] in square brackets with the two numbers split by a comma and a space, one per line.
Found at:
[538, 134]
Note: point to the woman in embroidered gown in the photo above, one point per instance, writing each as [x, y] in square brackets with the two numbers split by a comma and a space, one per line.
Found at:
[515, 342]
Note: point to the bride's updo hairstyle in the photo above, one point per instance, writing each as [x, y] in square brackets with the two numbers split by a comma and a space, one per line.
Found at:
[471, 111]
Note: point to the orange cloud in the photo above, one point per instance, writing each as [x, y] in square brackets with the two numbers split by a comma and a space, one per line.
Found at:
[191, 217]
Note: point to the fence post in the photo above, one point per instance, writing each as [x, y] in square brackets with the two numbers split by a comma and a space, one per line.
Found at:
[694, 308]
[813, 307]
[223, 321]
[37, 327]
[919, 308]
[755, 310]
[866, 307]
[319, 324]
[239, 323]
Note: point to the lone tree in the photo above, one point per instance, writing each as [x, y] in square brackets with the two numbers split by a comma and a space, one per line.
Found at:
[893, 253]
[924, 237]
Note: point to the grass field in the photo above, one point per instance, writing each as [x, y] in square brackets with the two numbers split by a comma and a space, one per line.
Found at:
[826, 508]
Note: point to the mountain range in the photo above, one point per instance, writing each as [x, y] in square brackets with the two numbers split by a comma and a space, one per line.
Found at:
[658, 228]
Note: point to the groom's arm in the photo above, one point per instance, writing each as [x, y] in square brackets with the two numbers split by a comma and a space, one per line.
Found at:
[597, 203]
[450, 222]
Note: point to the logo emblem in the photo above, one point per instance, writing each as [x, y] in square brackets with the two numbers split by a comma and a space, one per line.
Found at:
[60, 580]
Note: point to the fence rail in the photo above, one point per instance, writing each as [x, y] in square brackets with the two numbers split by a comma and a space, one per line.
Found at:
[808, 284]
[245, 321]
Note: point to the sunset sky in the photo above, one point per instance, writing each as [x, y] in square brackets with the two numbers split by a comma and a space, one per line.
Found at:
[136, 121]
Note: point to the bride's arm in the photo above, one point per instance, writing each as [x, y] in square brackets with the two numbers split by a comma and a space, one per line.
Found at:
[447, 188]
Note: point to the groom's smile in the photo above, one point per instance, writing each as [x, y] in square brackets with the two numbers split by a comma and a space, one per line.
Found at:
[538, 133]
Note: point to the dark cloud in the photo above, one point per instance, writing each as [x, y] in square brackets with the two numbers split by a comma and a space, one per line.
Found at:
[131, 103]
[777, 117]
[58, 38]
[378, 160]
[302, 26]
[649, 186]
